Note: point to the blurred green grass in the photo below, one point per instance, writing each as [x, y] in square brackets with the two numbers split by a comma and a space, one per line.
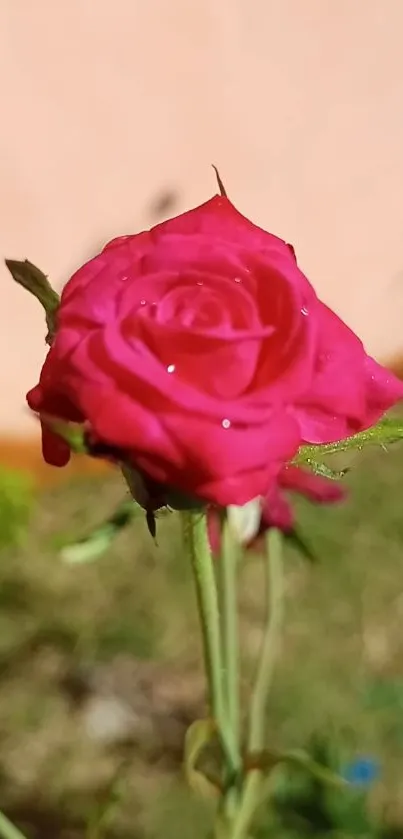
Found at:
[340, 672]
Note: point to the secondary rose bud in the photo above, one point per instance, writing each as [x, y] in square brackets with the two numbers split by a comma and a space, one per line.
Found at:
[201, 352]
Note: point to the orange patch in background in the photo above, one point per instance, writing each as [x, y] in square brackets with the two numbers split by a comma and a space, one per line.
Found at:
[25, 455]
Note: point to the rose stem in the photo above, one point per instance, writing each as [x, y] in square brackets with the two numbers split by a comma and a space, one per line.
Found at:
[197, 545]
[265, 668]
[8, 830]
[227, 567]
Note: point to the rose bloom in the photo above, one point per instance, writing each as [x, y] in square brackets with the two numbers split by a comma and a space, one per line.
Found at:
[201, 354]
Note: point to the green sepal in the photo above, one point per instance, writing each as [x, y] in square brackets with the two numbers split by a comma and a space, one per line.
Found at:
[71, 433]
[36, 282]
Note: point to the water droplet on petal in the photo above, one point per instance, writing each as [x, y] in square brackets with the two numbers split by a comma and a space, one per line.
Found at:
[124, 278]
[171, 368]
[237, 279]
[143, 302]
[304, 311]
[226, 423]
[199, 282]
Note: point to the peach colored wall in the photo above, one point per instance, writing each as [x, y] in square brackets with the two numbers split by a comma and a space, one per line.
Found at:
[107, 103]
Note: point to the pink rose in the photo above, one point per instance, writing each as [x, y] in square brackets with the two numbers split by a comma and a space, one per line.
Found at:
[200, 352]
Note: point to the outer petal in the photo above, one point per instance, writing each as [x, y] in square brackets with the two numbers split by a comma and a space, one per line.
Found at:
[383, 390]
[219, 465]
[181, 241]
[230, 465]
[121, 423]
[219, 219]
[349, 390]
[276, 512]
[214, 529]
[48, 399]
[105, 272]
[222, 466]
[55, 451]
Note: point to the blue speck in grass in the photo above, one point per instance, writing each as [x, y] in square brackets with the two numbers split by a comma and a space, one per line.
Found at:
[362, 772]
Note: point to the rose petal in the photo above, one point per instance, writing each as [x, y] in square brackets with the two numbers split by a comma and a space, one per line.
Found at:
[383, 390]
[214, 529]
[218, 368]
[218, 219]
[136, 371]
[79, 291]
[123, 423]
[276, 511]
[228, 465]
[55, 450]
[349, 390]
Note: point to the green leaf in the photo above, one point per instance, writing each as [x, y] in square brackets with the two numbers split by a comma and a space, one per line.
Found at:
[321, 773]
[268, 760]
[386, 432]
[325, 471]
[36, 282]
[199, 737]
[294, 538]
[96, 543]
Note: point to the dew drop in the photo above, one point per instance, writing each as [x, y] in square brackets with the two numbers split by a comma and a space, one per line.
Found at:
[226, 423]
[199, 282]
[124, 278]
[171, 368]
[237, 279]
[304, 311]
[143, 302]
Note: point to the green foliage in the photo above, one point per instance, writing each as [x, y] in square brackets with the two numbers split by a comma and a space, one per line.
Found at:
[16, 502]
[139, 600]
[385, 433]
[98, 541]
[303, 805]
